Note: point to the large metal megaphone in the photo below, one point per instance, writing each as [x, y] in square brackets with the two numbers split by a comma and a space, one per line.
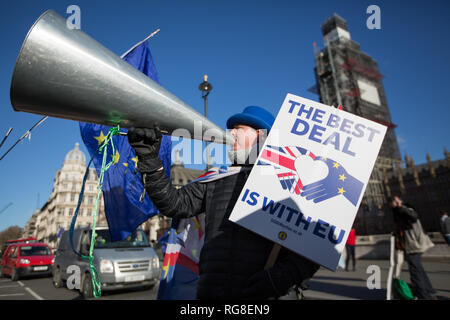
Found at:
[64, 73]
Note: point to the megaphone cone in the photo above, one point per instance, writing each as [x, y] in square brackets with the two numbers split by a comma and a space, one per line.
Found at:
[64, 73]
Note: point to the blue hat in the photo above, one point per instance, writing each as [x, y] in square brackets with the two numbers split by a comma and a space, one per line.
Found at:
[253, 116]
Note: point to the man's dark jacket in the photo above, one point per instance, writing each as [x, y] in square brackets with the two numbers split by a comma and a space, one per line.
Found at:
[231, 254]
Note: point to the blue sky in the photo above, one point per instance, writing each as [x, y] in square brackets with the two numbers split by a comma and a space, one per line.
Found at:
[255, 52]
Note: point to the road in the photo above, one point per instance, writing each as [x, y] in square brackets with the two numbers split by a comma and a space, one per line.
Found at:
[41, 288]
[325, 285]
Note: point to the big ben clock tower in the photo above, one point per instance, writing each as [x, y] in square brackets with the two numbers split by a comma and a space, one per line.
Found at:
[349, 77]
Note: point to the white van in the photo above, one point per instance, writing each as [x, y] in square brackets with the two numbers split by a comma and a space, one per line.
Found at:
[121, 264]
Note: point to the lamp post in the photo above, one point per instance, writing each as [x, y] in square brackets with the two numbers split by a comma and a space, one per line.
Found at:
[205, 87]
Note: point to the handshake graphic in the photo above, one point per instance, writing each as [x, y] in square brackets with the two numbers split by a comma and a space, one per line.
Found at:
[336, 182]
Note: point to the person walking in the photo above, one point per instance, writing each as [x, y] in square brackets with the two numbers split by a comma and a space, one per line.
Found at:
[414, 242]
[350, 249]
[445, 226]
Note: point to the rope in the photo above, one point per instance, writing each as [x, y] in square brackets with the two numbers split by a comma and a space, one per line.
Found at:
[96, 284]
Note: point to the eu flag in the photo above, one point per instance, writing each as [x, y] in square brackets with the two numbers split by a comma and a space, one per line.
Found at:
[122, 186]
[179, 274]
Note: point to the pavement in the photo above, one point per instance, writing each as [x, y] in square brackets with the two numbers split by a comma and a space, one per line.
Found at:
[353, 285]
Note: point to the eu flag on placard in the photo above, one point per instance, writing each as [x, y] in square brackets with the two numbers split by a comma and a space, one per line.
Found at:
[122, 186]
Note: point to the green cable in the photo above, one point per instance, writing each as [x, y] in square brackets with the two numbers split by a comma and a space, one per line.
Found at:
[96, 284]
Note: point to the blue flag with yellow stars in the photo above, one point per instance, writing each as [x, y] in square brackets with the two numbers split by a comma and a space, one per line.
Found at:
[337, 182]
[122, 186]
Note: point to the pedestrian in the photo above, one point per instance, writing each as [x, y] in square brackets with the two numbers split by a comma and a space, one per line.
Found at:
[350, 249]
[233, 258]
[414, 242]
[445, 226]
[399, 256]
[341, 263]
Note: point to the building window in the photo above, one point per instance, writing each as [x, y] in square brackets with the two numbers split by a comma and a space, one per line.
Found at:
[72, 197]
[70, 212]
[90, 199]
[89, 212]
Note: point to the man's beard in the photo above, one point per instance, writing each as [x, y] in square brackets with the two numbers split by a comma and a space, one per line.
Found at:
[244, 156]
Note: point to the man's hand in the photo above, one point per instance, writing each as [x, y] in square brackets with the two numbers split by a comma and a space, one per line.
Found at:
[146, 143]
[338, 182]
[268, 283]
[260, 286]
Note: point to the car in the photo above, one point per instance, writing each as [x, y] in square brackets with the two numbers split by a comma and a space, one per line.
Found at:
[123, 264]
[27, 259]
[21, 240]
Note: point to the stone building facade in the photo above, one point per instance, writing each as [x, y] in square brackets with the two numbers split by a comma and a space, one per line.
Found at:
[425, 186]
[57, 213]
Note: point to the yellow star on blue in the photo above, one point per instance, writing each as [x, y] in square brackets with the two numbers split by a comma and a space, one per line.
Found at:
[100, 138]
[116, 157]
[165, 267]
[135, 160]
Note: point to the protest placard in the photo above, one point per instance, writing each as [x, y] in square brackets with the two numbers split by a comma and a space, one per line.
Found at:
[309, 179]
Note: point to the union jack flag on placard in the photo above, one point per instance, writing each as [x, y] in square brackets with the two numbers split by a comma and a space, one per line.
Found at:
[283, 159]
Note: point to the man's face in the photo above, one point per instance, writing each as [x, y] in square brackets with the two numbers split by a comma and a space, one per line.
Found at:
[397, 202]
[245, 136]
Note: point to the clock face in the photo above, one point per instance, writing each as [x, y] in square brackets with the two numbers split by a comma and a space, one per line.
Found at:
[369, 92]
[338, 33]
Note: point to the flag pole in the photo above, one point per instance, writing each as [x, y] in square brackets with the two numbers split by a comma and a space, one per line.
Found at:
[131, 49]
[26, 134]
[6, 136]
[139, 43]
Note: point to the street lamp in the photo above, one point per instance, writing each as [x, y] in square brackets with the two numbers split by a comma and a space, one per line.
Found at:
[205, 87]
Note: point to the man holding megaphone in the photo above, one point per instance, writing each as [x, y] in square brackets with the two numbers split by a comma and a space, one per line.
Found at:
[232, 259]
